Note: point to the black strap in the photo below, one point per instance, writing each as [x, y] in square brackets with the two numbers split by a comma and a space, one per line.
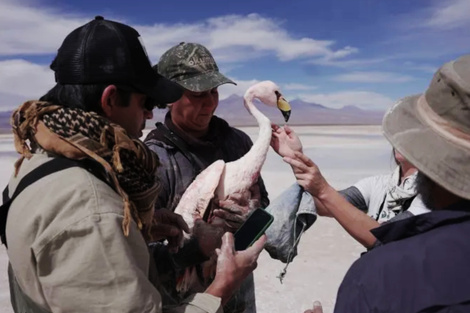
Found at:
[182, 146]
[55, 165]
[381, 208]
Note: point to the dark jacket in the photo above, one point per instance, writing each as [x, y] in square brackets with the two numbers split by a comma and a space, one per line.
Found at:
[423, 265]
[178, 171]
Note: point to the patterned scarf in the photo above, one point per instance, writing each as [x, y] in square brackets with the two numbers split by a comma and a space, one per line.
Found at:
[76, 134]
[397, 195]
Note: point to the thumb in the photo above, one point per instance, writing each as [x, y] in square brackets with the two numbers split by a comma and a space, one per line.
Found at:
[258, 246]
[317, 308]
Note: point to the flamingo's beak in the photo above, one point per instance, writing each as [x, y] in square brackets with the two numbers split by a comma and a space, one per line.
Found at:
[284, 106]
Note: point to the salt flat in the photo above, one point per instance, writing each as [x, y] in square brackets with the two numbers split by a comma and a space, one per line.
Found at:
[344, 154]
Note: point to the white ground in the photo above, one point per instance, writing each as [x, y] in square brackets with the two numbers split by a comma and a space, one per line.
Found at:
[344, 154]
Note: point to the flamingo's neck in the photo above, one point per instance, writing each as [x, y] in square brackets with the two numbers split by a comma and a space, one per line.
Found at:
[257, 153]
[241, 174]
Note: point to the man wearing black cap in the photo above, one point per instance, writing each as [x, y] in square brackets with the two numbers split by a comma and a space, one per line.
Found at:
[81, 200]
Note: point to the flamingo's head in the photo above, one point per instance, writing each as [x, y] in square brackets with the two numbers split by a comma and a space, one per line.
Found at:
[269, 93]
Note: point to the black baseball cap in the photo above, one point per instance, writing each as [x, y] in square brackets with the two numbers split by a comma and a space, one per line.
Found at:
[108, 52]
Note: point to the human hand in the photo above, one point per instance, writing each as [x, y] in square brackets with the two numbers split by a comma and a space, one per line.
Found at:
[285, 141]
[168, 225]
[235, 209]
[233, 266]
[317, 308]
[208, 236]
[308, 174]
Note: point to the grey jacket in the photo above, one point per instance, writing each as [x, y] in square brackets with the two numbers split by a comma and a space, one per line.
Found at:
[177, 170]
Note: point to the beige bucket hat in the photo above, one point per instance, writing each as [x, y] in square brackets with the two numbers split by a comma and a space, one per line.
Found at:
[432, 130]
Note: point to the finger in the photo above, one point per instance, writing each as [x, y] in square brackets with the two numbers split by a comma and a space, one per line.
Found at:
[288, 129]
[228, 245]
[298, 165]
[304, 158]
[317, 307]
[181, 223]
[238, 196]
[233, 206]
[166, 230]
[258, 246]
[229, 217]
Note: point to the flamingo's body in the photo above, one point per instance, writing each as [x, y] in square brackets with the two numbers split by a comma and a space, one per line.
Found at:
[223, 179]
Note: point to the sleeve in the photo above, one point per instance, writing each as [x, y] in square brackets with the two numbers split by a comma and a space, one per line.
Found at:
[354, 196]
[366, 188]
[294, 212]
[92, 267]
[164, 175]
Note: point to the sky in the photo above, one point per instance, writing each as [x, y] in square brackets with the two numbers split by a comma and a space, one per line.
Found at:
[367, 53]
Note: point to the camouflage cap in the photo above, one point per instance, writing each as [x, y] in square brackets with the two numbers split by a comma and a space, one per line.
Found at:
[192, 66]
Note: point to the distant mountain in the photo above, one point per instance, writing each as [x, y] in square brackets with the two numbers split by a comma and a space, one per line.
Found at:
[303, 113]
[5, 122]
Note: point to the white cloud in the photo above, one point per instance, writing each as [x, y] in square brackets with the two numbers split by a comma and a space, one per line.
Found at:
[296, 86]
[449, 14]
[266, 35]
[427, 68]
[372, 77]
[10, 102]
[242, 85]
[350, 63]
[41, 30]
[344, 52]
[20, 77]
[22, 80]
[362, 99]
[29, 30]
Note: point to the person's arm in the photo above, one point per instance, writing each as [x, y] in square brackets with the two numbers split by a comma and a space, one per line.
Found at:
[351, 194]
[354, 221]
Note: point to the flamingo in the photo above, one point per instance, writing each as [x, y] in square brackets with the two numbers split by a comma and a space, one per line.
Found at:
[223, 179]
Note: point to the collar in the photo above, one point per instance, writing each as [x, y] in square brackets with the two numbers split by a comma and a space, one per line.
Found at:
[415, 225]
[217, 129]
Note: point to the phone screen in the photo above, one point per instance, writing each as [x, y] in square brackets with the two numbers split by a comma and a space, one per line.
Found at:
[254, 226]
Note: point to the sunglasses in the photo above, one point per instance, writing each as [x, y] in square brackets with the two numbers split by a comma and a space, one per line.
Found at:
[149, 104]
